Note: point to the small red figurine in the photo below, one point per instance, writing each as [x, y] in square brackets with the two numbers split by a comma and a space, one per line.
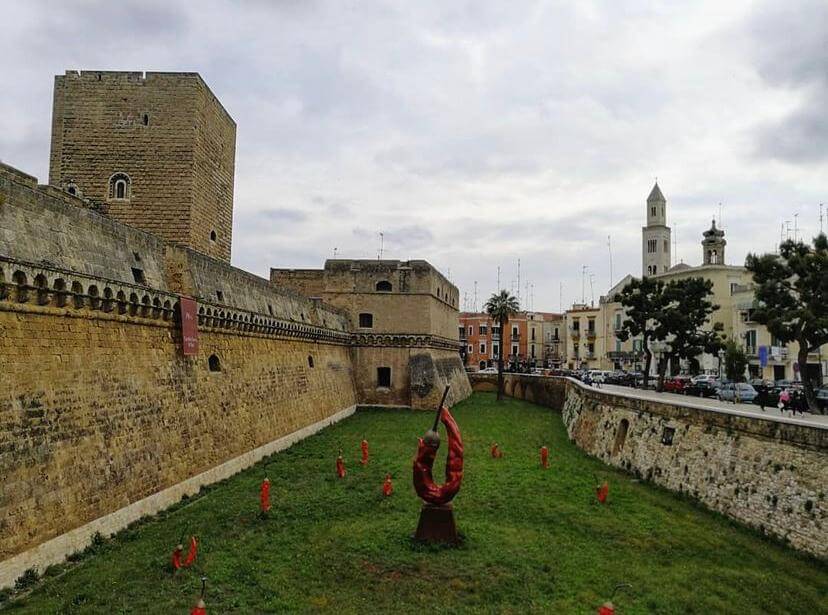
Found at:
[387, 486]
[264, 495]
[544, 452]
[603, 492]
[200, 608]
[364, 446]
[496, 452]
[340, 466]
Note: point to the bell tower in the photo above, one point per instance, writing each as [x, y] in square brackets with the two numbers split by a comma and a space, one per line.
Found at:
[655, 250]
[713, 246]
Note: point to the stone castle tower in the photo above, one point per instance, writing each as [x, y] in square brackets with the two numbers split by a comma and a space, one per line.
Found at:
[713, 246]
[656, 235]
[155, 151]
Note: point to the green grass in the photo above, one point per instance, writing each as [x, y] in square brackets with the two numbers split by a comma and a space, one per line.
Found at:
[535, 541]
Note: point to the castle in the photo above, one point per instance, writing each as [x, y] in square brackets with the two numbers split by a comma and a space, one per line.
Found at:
[138, 364]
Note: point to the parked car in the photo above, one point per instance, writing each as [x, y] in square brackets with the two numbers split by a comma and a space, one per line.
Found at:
[598, 375]
[678, 384]
[745, 392]
[709, 378]
[702, 388]
[822, 398]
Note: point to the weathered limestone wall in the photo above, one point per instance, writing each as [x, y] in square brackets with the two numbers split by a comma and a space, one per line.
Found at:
[43, 225]
[418, 375]
[99, 411]
[768, 474]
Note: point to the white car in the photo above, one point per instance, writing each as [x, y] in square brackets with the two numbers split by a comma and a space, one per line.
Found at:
[598, 375]
[706, 378]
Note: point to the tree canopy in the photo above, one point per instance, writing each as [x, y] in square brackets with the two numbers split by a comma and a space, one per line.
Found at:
[501, 306]
[792, 298]
[643, 301]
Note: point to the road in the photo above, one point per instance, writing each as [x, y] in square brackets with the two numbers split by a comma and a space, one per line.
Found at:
[749, 410]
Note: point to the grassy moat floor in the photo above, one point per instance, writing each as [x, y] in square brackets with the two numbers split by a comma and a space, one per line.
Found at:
[535, 541]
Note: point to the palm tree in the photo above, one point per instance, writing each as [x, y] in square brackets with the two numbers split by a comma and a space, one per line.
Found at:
[501, 306]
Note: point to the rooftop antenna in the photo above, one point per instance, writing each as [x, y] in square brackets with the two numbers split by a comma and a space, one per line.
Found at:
[796, 226]
[591, 290]
[560, 297]
[532, 296]
[781, 235]
[518, 282]
[465, 301]
[609, 247]
[820, 218]
[583, 279]
[382, 245]
[498, 279]
[335, 249]
[474, 305]
[526, 296]
[787, 229]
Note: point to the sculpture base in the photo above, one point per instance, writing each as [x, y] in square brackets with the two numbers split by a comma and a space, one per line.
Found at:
[437, 525]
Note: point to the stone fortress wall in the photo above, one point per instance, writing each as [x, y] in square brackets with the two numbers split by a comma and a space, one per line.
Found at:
[769, 474]
[95, 385]
[102, 418]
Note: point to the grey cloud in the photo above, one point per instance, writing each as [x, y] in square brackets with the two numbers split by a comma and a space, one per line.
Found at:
[282, 216]
[472, 133]
[790, 47]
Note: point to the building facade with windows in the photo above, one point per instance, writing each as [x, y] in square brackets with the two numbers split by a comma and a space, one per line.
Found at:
[405, 318]
[531, 339]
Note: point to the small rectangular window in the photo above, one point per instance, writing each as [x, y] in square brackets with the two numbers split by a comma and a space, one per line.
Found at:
[219, 295]
[384, 377]
[667, 436]
[138, 276]
[483, 348]
[483, 329]
[366, 321]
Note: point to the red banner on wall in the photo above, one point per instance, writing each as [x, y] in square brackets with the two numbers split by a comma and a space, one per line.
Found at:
[188, 310]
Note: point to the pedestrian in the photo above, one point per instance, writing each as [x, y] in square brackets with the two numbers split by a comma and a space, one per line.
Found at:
[762, 397]
[784, 400]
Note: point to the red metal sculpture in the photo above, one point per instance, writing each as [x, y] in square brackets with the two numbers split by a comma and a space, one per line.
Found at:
[387, 486]
[436, 517]
[192, 552]
[496, 452]
[544, 452]
[264, 496]
[364, 446]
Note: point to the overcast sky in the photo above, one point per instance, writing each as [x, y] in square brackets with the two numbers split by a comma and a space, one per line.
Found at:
[472, 134]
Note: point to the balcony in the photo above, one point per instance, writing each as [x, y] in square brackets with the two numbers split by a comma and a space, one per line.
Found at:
[574, 333]
[496, 337]
[590, 334]
[515, 337]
